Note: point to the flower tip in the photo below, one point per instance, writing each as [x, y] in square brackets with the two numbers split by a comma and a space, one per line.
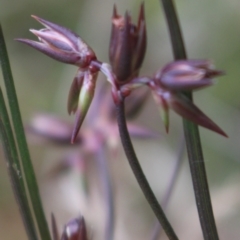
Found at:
[141, 16]
[77, 125]
[165, 119]
[185, 108]
[69, 110]
[214, 127]
[218, 73]
[18, 39]
[45, 23]
[75, 132]
[115, 15]
[28, 42]
[35, 32]
[127, 17]
[167, 128]
[36, 18]
[22, 40]
[221, 132]
[73, 139]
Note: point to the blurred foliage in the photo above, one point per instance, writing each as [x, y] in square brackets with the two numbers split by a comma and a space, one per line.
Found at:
[211, 30]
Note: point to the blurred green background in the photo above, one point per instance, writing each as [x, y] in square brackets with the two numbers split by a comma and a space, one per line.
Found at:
[211, 30]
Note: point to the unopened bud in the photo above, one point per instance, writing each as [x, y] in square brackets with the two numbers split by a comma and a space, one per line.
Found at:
[84, 97]
[127, 45]
[184, 75]
[61, 44]
[75, 230]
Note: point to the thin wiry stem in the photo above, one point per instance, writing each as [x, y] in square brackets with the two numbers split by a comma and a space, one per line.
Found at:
[21, 142]
[173, 180]
[178, 48]
[108, 194]
[14, 170]
[193, 142]
[137, 170]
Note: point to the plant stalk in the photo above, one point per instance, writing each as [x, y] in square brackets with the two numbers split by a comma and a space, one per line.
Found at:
[138, 172]
[193, 142]
[21, 142]
[14, 170]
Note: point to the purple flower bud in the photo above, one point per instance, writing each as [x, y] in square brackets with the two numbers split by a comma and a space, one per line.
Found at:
[61, 44]
[127, 45]
[184, 75]
[75, 230]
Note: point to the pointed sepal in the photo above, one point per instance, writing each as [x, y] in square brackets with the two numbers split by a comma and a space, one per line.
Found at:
[185, 108]
[85, 99]
[74, 92]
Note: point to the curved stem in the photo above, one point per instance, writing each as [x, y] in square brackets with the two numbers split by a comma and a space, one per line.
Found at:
[137, 170]
[193, 142]
[178, 48]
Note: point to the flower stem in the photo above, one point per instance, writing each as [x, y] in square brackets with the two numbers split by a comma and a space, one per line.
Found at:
[193, 142]
[14, 170]
[137, 170]
[21, 142]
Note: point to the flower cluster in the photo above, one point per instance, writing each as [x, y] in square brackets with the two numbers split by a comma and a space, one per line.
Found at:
[169, 84]
[126, 53]
[67, 47]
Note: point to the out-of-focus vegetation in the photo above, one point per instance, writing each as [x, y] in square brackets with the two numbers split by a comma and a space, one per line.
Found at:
[211, 30]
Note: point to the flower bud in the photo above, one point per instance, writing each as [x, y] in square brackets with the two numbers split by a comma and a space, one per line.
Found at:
[75, 230]
[61, 44]
[80, 98]
[127, 45]
[184, 75]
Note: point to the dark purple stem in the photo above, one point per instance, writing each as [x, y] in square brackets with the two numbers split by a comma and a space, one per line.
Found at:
[138, 172]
